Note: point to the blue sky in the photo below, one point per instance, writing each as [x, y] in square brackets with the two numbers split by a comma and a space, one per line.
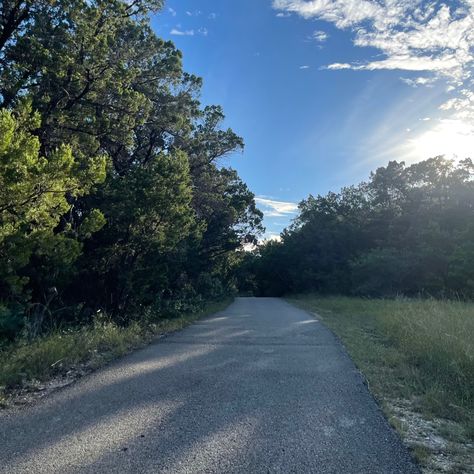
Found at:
[325, 91]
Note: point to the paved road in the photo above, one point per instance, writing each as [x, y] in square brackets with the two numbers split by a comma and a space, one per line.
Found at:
[261, 387]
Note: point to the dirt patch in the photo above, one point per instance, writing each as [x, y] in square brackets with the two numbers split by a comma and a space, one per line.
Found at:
[34, 390]
[437, 443]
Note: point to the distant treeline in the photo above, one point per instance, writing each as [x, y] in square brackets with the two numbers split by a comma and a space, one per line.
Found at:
[111, 196]
[408, 231]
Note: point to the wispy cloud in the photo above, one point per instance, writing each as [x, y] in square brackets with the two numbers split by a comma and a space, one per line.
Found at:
[337, 66]
[180, 32]
[177, 32]
[273, 208]
[172, 11]
[419, 81]
[433, 39]
[319, 36]
[304, 67]
[413, 35]
[193, 13]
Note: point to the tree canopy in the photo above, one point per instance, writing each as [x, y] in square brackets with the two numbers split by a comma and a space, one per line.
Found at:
[112, 194]
[407, 231]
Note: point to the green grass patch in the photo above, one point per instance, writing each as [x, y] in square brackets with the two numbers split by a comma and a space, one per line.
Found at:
[91, 346]
[411, 349]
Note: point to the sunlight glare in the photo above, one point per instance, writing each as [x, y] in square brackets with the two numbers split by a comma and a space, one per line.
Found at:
[450, 137]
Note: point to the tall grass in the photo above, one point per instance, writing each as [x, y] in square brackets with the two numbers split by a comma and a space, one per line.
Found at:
[89, 346]
[415, 349]
[49, 355]
[438, 338]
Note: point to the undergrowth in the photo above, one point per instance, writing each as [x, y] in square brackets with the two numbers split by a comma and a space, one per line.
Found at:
[57, 353]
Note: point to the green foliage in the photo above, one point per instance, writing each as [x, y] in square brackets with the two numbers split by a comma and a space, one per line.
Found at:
[461, 262]
[112, 196]
[11, 322]
[149, 215]
[384, 271]
[35, 192]
[406, 231]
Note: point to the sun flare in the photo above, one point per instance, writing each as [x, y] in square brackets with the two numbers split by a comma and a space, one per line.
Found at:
[453, 138]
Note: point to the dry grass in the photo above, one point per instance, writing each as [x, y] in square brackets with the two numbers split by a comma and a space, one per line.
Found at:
[55, 354]
[413, 352]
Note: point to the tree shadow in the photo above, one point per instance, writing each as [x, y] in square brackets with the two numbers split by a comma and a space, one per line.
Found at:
[271, 401]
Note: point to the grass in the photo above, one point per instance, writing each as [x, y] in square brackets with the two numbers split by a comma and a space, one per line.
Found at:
[25, 363]
[413, 351]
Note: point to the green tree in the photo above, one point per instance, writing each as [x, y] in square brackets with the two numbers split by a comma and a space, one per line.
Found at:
[103, 83]
[36, 191]
[408, 230]
[148, 215]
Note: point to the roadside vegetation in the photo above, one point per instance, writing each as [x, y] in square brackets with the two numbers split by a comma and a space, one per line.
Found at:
[113, 197]
[418, 358]
[63, 356]
[407, 230]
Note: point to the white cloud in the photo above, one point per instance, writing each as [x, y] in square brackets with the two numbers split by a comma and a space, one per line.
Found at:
[341, 12]
[337, 66]
[172, 11]
[419, 81]
[177, 32]
[319, 36]
[212, 16]
[273, 208]
[434, 38]
[268, 236]
[272, 236]
[413, 35]
[304, 67]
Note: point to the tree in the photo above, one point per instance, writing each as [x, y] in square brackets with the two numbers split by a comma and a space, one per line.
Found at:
[148, 215]
[408, 230]
[36, 191]
[161, 229]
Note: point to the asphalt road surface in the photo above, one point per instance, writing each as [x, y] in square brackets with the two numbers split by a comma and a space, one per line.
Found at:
[261, 387]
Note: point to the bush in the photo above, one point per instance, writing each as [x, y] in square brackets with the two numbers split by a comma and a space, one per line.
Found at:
[11, 323]
[383, 272]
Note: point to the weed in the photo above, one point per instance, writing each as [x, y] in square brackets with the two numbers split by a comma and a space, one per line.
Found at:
[95, 345]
